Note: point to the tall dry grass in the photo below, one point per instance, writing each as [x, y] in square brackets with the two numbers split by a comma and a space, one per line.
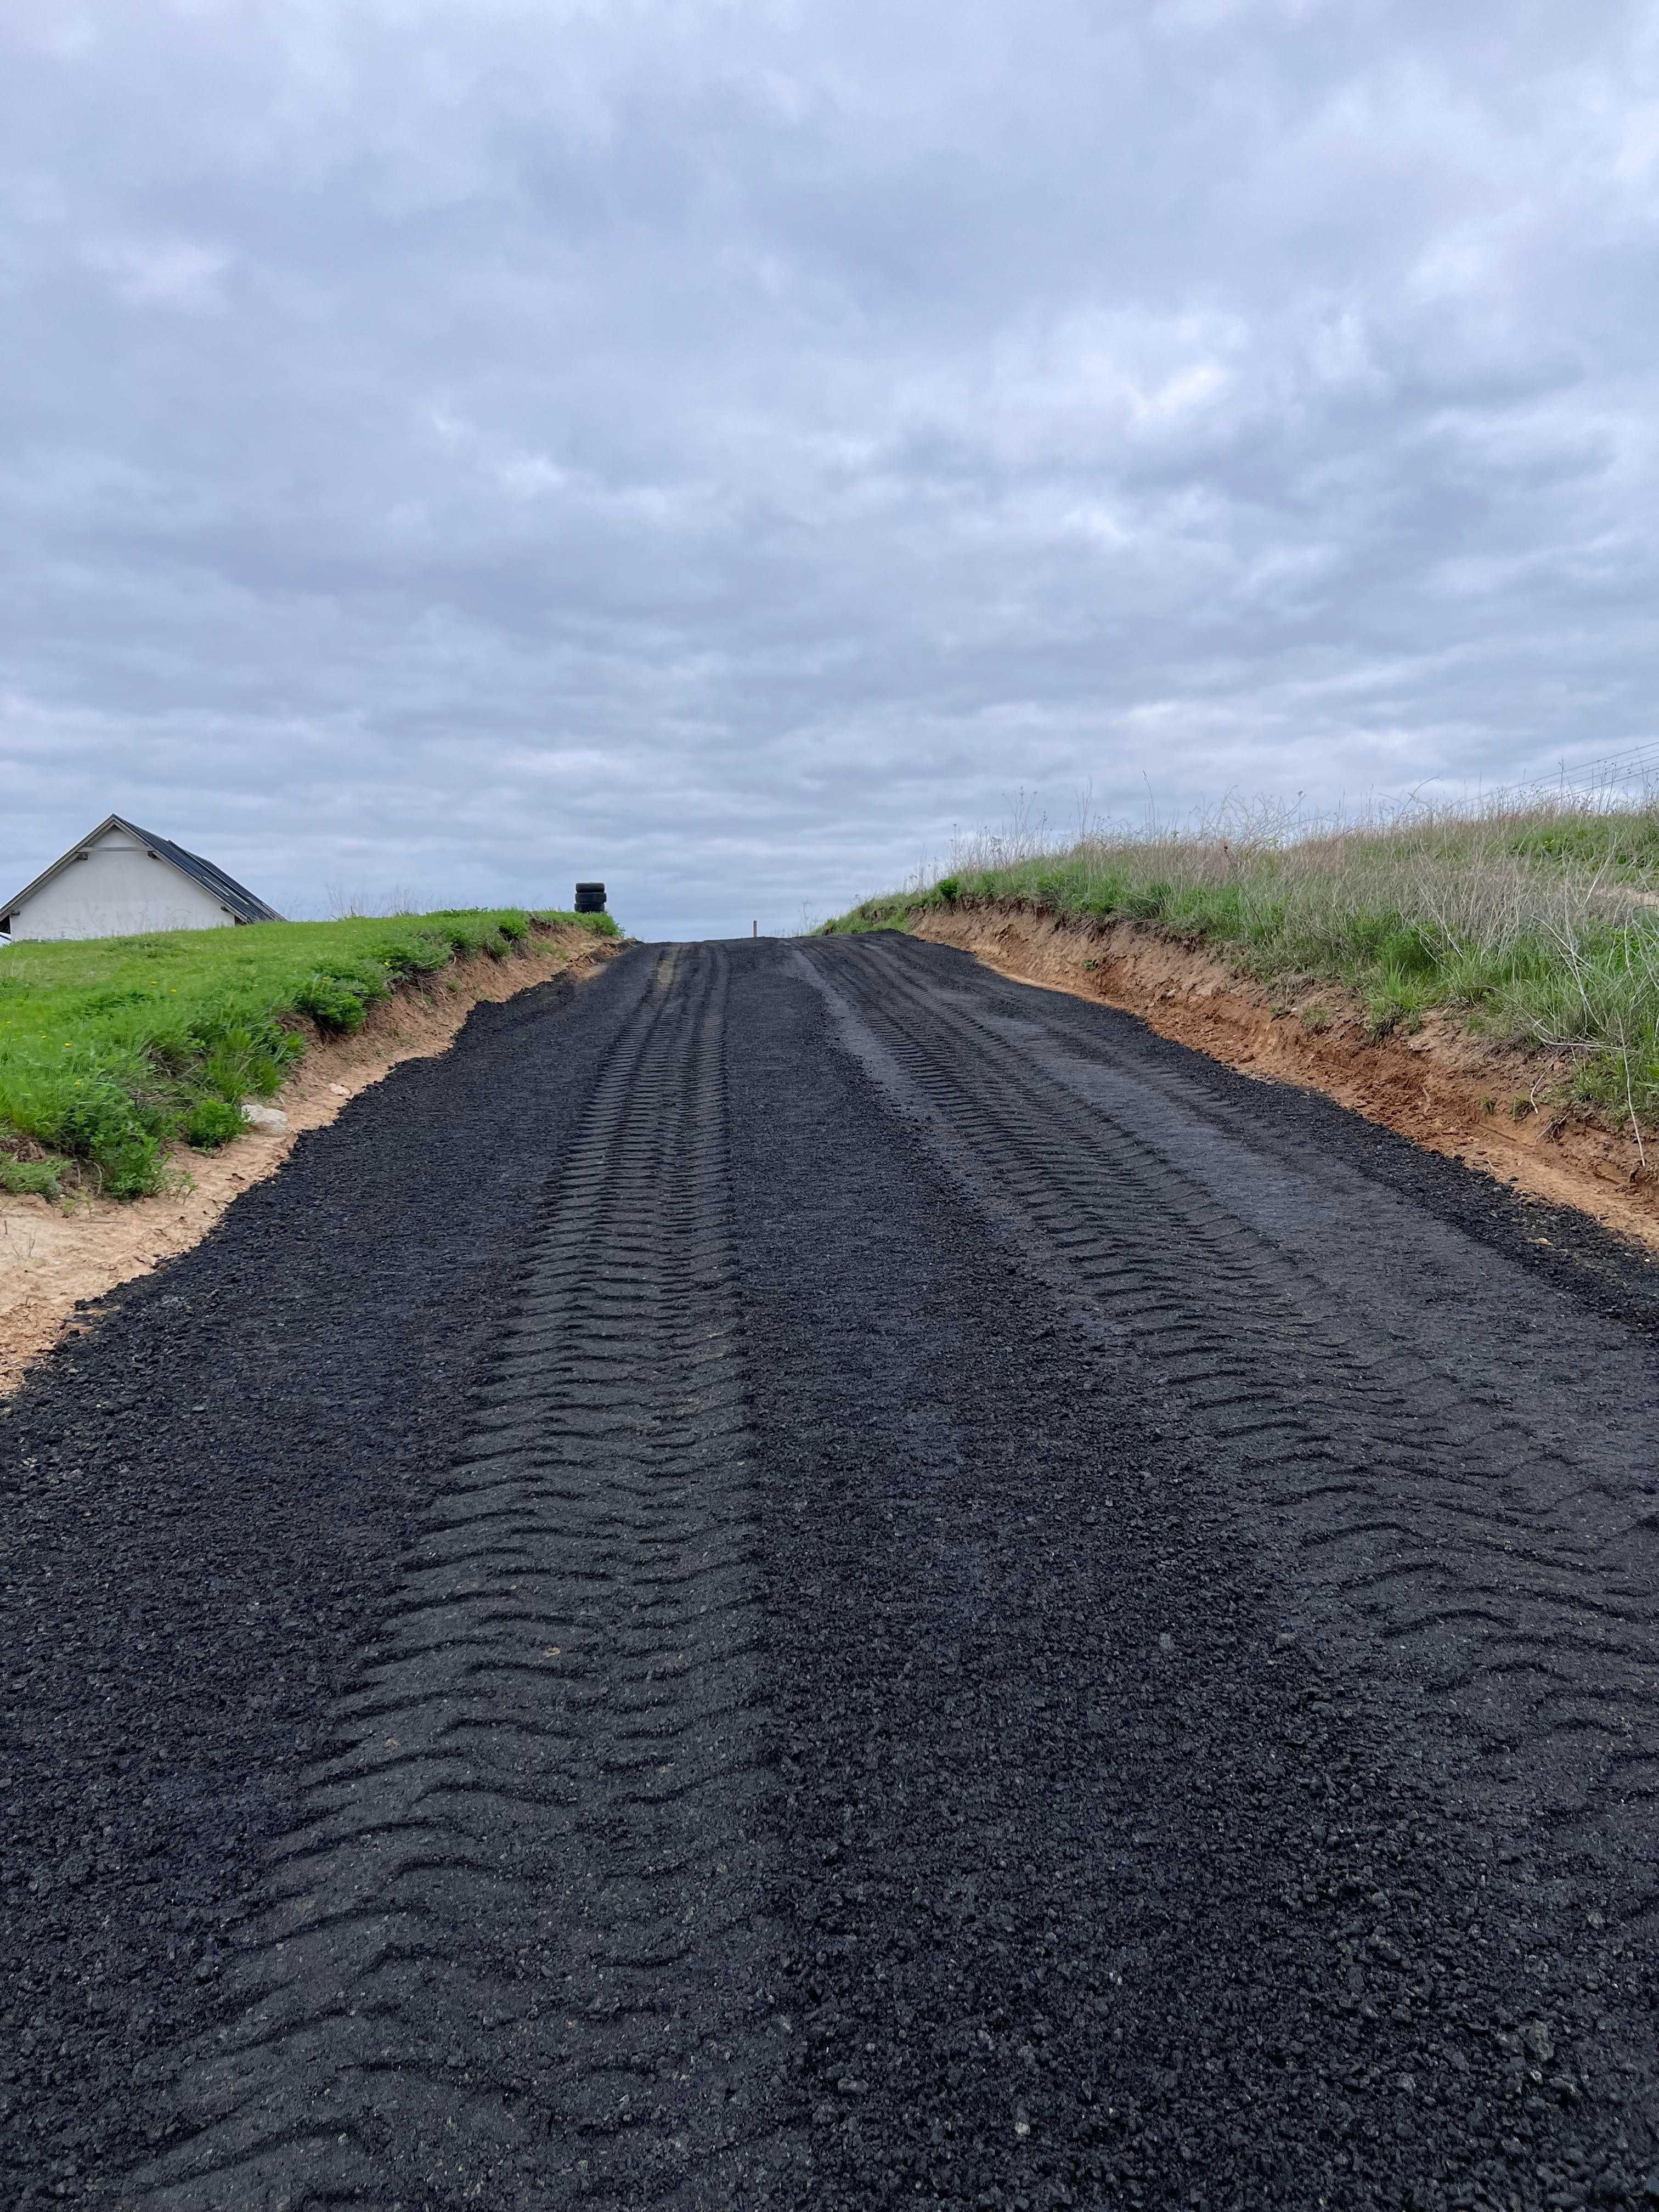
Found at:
[1536, 918]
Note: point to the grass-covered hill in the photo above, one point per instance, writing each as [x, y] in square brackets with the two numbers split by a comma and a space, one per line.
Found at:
[1537, 924]
[111, 1049]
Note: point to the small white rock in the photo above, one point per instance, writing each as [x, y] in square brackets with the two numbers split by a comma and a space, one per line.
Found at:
[264, 1117]
[339, 1091]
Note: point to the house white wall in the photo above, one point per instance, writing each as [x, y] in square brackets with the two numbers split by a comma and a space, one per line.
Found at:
[118, 890]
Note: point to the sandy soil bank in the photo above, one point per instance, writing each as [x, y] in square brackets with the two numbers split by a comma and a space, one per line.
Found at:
[50, 1258]
[1491, 1107]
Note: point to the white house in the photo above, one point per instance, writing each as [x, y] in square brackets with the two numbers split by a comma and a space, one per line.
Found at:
[122, 881]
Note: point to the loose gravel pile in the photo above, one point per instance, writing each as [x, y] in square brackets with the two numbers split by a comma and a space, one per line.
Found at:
[1076, 1804]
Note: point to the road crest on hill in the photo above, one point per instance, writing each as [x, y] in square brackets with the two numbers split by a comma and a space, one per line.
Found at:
[908, 1593]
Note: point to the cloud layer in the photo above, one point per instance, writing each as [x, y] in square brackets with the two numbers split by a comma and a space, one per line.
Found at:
[456, 445]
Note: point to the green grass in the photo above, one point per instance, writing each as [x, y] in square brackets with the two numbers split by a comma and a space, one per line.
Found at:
[1536, 926]
[113, 1048]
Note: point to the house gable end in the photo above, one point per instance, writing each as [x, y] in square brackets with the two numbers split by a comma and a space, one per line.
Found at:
[111, 834]
[13, 906]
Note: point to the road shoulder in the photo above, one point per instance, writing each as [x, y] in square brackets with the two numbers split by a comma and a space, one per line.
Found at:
[55, 1259]
[1440, 1088]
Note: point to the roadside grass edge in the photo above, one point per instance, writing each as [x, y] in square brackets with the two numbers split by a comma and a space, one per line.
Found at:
[1534, 928]
[114, 1050]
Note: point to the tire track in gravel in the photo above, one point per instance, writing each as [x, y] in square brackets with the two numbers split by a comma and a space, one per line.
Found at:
[1489, 1533]
[515, 1950]
[1101, 1890]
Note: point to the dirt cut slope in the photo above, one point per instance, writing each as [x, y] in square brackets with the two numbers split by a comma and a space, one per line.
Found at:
[1494, 1109]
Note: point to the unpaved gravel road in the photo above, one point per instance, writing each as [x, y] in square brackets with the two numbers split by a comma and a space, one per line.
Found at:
[803, 1577]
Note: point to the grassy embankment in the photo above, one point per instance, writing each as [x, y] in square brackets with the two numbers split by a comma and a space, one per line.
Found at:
[111, 1049]
[1536, 926]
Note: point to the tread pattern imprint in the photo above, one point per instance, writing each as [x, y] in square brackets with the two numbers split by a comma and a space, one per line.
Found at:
[1495, 1537]
[516, 1950]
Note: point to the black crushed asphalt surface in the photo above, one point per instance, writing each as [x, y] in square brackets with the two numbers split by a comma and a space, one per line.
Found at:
[1112, 1846]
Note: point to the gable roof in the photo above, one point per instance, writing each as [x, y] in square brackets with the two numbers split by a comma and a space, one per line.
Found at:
[235, 895]
[226, 889]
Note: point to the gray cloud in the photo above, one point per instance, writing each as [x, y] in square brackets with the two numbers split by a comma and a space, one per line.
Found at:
[455, 448]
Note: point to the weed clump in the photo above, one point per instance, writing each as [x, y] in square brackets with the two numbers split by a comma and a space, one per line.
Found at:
[212, 1122]
[26, 1171]
[339, 1004]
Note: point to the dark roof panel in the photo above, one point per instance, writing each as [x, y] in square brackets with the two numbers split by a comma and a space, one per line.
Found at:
[226, 889]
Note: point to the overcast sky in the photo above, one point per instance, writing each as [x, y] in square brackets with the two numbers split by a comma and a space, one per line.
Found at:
[448, 447]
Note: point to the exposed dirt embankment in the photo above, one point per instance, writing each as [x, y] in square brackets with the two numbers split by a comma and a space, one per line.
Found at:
[1493, 1108]
[52, 1257]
